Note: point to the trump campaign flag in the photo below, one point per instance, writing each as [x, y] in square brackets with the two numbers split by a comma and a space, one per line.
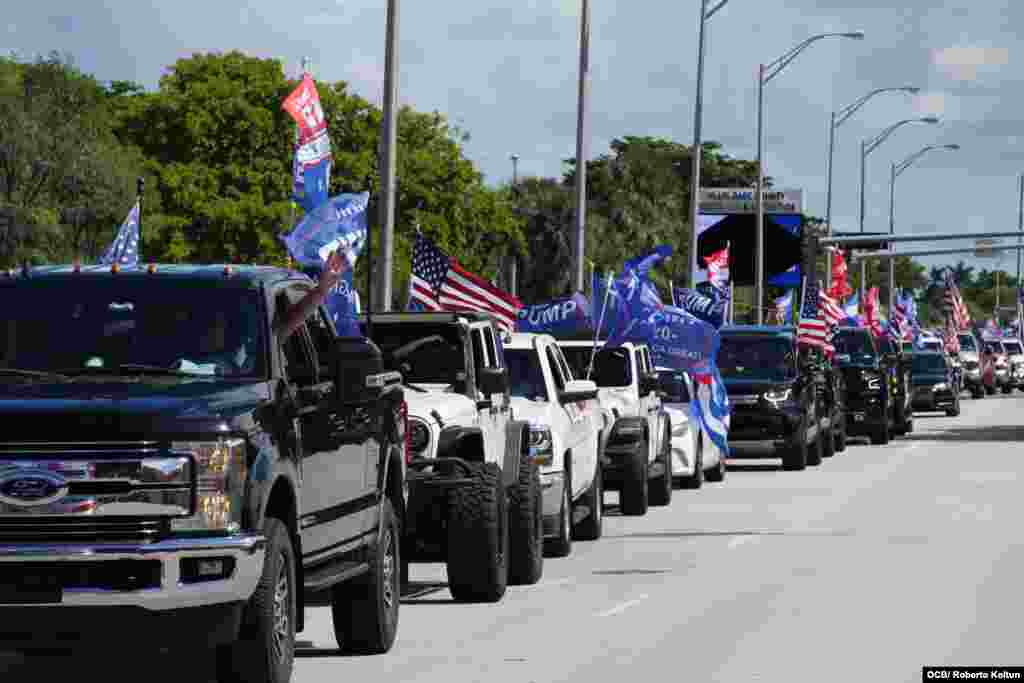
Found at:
[339, 223]
[312, 164]
[562, 316]
[710, 309]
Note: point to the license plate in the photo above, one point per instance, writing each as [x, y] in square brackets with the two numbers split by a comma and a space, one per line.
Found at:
[30, 590]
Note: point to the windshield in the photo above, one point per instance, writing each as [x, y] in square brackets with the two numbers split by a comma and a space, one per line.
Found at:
[1012, 347]
[108, 325]
[526, 375]
[756, 357]
[928, 364]
[854, 342]
[967, 343]
[673, 383]
[425, 353]
[578, 358]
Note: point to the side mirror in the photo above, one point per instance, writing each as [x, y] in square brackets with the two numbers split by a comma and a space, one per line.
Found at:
[492, 381]
[578, 390]
[358, 369]
[648, 383]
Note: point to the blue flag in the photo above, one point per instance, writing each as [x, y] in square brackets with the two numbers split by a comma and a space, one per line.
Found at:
[710, 309]
[339, 223]
[711, 409]
[560, 317]
[311, 183]
[125, 248]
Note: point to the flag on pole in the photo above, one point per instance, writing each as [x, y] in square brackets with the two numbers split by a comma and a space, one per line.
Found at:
[311, 168]
[812, 329]
[718, 268]
[125, 248]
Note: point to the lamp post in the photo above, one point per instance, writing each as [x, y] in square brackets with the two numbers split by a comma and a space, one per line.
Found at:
[866, 148]
[695, 152]
[581, 149]
[895, 172]
[839, 118]
[513, 258]
[388, 162]
[765, 74]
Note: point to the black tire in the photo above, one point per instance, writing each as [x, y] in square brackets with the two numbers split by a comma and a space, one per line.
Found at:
[526, 525]
[478, 536]
[695, 480]
[794, 457]
[661, 492]
[955, 410]
[841, 435]
[365, 610]
[717, 473]
[1007, 389]
[589, 528]
[633, 497]
[828, 444]
[561, 544]
[880, 436]
[817, 449]
[989, 390]
[977, 392]
[266, 653]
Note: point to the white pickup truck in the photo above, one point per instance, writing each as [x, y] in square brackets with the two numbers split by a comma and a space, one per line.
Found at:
[637, 457]
[565, 438]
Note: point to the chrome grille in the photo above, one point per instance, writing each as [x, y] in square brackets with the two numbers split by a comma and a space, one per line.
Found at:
[80, 529]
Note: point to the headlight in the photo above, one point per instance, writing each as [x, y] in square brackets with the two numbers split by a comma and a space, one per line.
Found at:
[874, 383]
[419, 437]
[941, 386]
[541, 445]
[220, 478]
[776, 396]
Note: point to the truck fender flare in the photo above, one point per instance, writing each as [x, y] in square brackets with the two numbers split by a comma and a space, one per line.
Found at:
[517, 442]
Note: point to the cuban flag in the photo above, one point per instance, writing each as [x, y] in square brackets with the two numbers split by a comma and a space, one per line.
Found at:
[125, 248]
[711, 409]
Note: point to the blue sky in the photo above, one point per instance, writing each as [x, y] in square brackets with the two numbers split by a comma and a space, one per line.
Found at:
[506, 72]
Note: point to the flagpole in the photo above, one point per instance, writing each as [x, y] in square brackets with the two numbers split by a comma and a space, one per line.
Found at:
[600, 323]
[140, 185]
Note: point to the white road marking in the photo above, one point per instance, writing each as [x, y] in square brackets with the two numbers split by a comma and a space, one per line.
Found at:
[619, 609]
[740, 540]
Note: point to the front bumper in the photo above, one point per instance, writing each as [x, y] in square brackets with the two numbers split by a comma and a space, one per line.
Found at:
[926, 399]
[864, 414]
[168, 602]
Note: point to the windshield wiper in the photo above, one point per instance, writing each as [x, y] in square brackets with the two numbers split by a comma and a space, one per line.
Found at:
[32, 374]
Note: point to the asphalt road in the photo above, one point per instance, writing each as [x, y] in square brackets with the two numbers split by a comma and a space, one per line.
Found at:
[882, 560]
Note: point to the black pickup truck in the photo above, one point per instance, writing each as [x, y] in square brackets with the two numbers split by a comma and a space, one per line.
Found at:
[175, 473]
[873, 392]
[775, 394]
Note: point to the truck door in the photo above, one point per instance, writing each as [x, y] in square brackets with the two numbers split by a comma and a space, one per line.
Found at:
[490, 419]
[333, 472]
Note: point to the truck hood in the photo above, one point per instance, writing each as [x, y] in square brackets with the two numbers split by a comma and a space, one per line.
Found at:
[452, 408]
[138, 409]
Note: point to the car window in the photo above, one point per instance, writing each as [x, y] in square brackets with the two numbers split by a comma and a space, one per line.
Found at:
[297, 356]
[759, 357]
[639, 362]
[967, 343]
[526, 375]
[612, 368]
[492, 354]
[673, 383]
[578, 358]
[556, 369]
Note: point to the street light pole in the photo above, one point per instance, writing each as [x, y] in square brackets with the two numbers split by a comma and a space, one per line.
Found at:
[581, 148]
[513, 258]
[765, 74]
[696, 152]
[896, 170]
[388, 161]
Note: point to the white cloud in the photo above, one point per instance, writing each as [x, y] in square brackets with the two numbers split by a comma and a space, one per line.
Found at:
[964, 63]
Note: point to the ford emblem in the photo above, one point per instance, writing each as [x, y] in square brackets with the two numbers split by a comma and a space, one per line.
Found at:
[29, 487]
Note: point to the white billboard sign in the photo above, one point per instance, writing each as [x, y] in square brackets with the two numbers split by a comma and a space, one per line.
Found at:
[741, 200]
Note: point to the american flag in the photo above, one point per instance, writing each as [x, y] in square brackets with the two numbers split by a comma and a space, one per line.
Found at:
[125, 249]
[831, 311]
[718, 268]
[954, 304]
[440, 283]
[429, 267]
[812, 330]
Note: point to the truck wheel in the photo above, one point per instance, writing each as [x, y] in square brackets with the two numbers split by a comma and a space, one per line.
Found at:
[816, 450]
[828, 443]
[365, 610]
[266, 653]
[589, 528]
[561, 545]
[840, 435]
[880, 436]
[526, 525]
[717, 473]
[1007, 389]
[977, 392]
[990, 390]
[794, 458]
[661, 492]
[633, 495]
[478, 536]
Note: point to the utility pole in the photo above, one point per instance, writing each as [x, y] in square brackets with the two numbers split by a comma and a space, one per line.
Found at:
[581, 148]
[388, 161]
[513, 258]
[759, 203]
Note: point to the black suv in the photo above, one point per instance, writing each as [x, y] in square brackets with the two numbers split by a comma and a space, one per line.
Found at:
[869, 387]
[935, 383]
[175, 470]
[775, 400]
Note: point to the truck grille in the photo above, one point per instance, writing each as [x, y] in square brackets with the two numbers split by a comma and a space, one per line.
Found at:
[94, 492]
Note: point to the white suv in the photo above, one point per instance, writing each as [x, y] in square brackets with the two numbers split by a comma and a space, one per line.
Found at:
[637, 457]
[694, 458]
[565, 437]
